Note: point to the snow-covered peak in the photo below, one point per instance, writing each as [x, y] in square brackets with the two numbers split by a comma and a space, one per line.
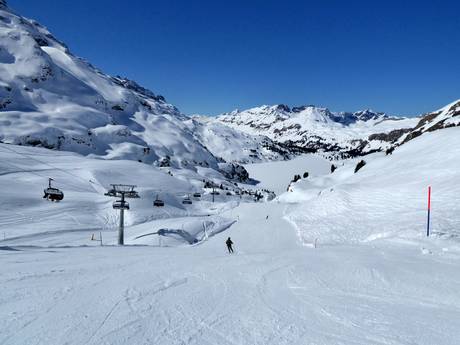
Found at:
[310, 128]
[303, 113]
[368, 114]
[51, 98]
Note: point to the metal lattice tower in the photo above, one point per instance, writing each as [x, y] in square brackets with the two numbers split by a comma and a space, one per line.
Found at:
[123, 191]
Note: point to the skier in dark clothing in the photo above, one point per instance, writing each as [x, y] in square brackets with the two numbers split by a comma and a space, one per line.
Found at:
[229, 245]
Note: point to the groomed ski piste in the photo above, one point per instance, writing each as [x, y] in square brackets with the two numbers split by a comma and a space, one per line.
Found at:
[342, 258]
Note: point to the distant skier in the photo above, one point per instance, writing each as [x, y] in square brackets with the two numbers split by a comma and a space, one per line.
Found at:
[229, 245]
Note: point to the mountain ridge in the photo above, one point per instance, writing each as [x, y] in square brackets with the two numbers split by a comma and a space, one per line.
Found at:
[51, 98]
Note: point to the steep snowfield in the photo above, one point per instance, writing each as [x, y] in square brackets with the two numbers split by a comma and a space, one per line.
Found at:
[357, 287]
[387, 198]
[50, 98]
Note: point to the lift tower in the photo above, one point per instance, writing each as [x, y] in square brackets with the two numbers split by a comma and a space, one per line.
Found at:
[123, 191]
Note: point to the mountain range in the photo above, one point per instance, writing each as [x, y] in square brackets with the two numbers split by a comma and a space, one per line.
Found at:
[54, 99]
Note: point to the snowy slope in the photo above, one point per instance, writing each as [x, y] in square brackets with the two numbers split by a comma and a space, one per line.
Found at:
[276, 176]
[65, 289]
[373, 278]
[27, 218]
[387, 198]
[234, 145]
[50, 98]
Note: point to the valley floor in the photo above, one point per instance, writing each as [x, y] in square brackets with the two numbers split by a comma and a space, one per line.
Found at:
[271, 291]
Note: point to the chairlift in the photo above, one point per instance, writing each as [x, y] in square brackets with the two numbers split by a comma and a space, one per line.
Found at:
[120, 205]
[187, 201]
[132, 194]
[51, 193]
[111, 192]
[158, 202]
[197, 195]
[118, 189]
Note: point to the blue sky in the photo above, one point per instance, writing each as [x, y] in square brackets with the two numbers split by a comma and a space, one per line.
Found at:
[209, 57]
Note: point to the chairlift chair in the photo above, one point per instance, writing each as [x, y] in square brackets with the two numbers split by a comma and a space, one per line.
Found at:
[197, 195]
[51, 193]
[111, 192]
[187, 201]
[119, 204]
[118, 189]
[158, 202]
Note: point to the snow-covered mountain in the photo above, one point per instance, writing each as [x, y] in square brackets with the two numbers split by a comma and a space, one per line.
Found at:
[234, 145]
[448, 116]
[310, 128]
[51, 98]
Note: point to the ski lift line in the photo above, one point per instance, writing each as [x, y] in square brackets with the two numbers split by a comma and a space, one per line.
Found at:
[21, 169]
[32, 172]
[41, 176]
[52, 166]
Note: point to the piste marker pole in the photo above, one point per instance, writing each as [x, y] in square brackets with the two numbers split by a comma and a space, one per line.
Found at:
[429, 210]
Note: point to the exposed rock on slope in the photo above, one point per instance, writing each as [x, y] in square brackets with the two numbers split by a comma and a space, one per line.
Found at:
[448, 116]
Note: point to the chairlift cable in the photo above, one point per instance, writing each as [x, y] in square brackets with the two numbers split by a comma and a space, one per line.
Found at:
[52, 166]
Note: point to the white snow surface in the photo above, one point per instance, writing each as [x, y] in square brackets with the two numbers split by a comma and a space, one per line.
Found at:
[387, 198]
[51, 98]
[276, 176]
[374, 277]
[340, 259]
